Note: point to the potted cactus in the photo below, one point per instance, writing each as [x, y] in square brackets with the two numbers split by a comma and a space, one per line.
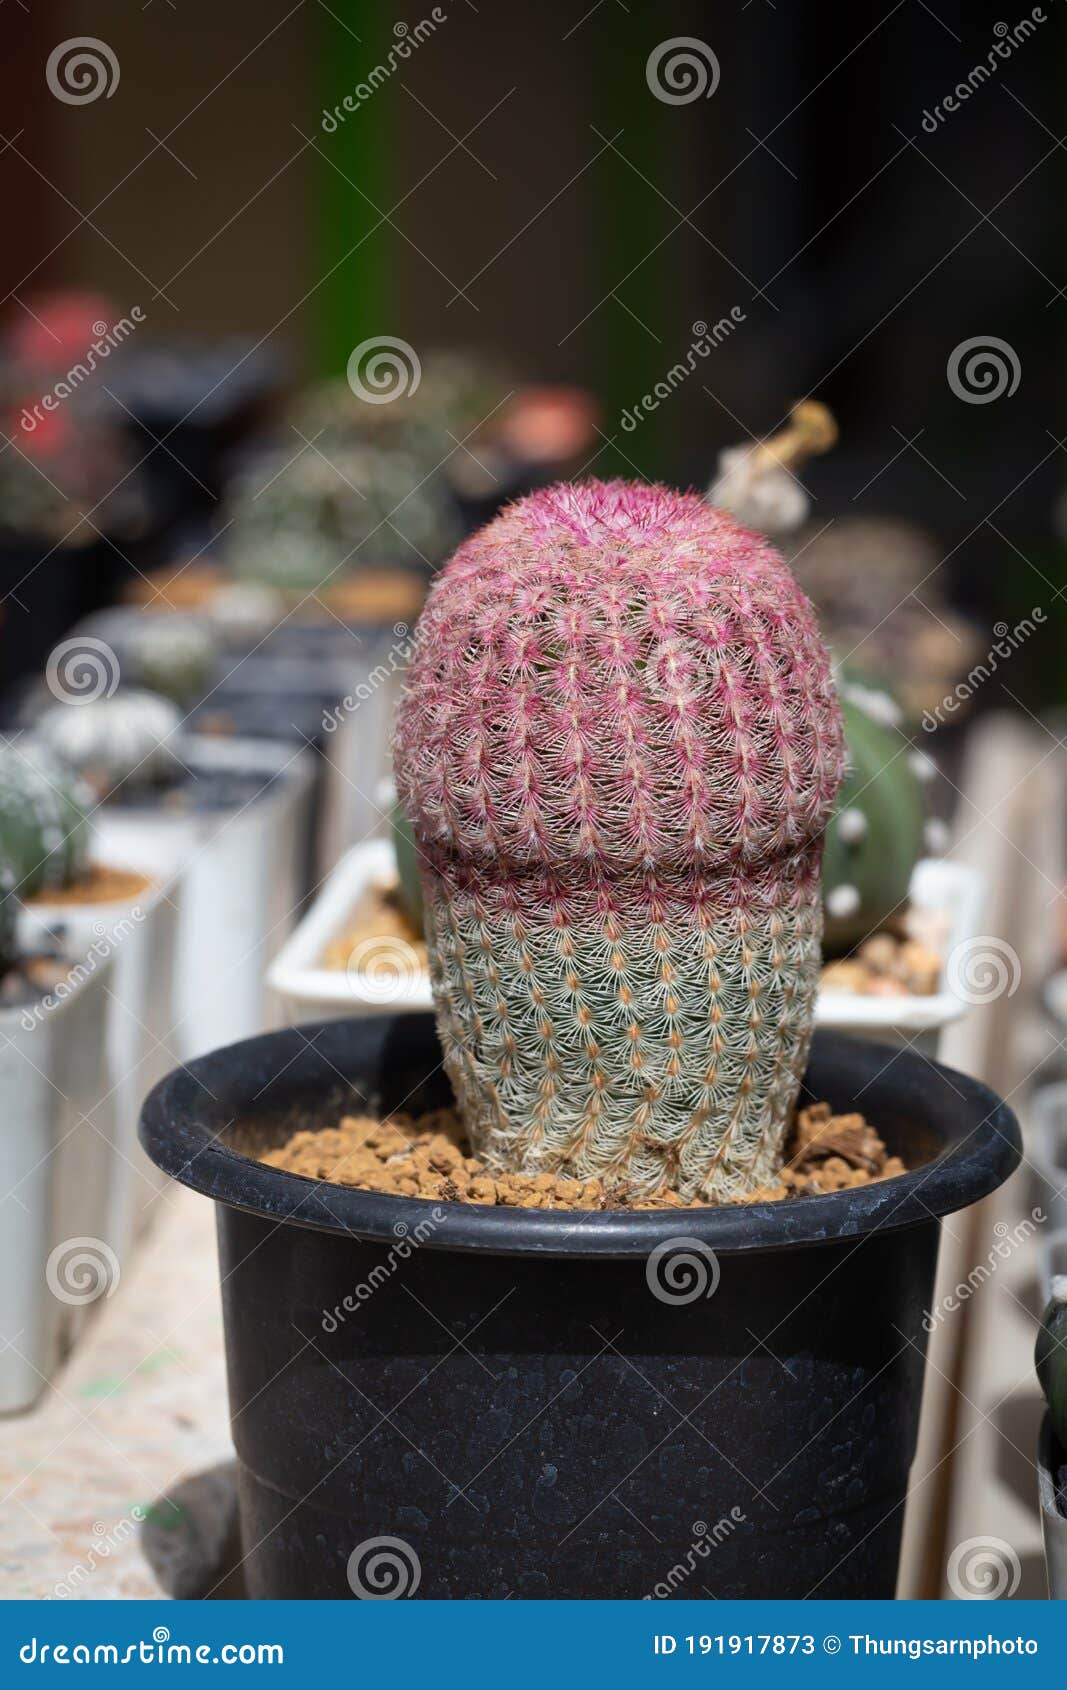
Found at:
[894, 918]
[225, 817]
[618, 747]
[58, 1149]
[71, 899]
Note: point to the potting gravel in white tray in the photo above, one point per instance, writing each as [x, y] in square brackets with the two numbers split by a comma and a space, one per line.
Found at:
[239, 873]
[140, 934]
[311, 991]
[57, 1151]
[953, 894]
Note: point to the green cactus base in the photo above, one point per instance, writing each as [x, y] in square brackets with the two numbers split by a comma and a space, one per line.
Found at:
[666, 1055]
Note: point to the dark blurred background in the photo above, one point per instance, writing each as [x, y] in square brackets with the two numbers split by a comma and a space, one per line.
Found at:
[514, 186]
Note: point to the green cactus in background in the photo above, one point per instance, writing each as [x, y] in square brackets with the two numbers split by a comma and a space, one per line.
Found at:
[875, 836]
[9, 950]
[171, 654]
[44, 821]
[452, 394]
[407, 868]
[1050, 1358]
[299, 524]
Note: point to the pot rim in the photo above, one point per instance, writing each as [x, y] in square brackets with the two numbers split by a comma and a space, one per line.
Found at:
[185, 1115]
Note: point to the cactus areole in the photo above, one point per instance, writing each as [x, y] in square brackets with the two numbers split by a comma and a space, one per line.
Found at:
[619, 746]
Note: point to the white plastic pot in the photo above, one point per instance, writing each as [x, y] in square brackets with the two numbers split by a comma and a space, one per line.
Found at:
[240, 873]
[141, 936]
[954, 892]
[311, 992]
[57, 1151]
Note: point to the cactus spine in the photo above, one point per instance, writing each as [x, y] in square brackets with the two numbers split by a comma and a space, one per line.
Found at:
[618, 746]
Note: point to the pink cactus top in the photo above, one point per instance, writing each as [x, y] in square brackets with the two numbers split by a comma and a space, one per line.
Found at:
[618, 677]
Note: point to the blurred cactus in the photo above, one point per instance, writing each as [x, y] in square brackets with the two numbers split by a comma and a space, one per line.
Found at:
[44, 820]
[171, 654]
[875, 836]
[618, 746]
[456, 393]
[407, 869]
[112, 742]
[298, 524]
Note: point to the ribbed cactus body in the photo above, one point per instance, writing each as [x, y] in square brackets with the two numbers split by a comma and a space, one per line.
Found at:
[618, 748]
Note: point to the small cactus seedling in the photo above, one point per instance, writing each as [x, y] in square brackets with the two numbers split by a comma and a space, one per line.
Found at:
[1050, 1359]
[875, 836]
[300, 524]
[44, 822]
[112, 742]
[618, 746]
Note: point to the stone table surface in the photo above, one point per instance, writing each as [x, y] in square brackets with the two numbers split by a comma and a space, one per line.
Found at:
[118, 1483]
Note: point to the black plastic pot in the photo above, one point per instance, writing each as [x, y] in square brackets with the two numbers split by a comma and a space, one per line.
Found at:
[506, 1394]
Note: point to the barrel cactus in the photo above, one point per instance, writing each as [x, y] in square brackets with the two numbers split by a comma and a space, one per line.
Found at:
[125, 740]
[618, 746]
[876, 835]
[44, 820]
[298, 524]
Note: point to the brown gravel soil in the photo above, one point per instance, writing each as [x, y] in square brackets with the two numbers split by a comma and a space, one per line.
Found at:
[899, 962]
[429, 1158]
[377, 915]
[99, 885]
